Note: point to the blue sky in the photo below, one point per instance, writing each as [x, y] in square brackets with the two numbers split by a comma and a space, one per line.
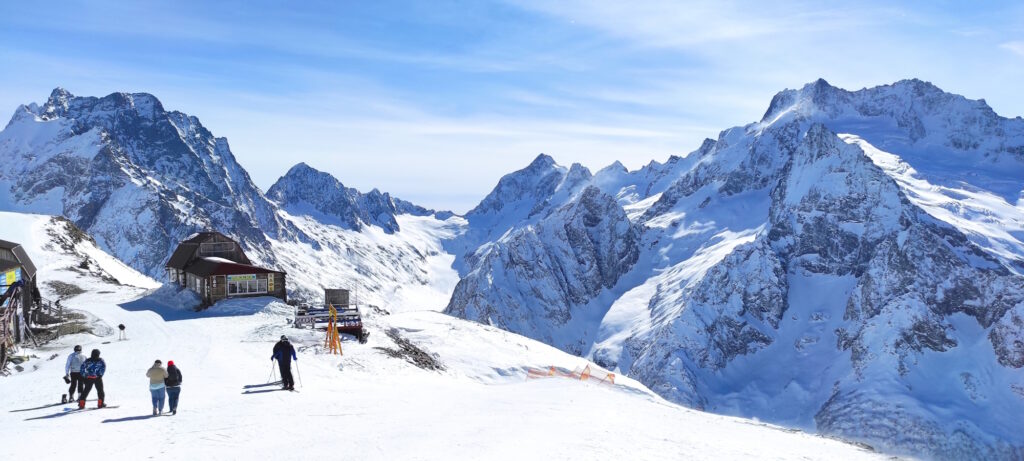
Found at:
[435, 100]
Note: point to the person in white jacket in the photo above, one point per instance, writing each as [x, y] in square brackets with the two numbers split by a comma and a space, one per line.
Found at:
[72, 373]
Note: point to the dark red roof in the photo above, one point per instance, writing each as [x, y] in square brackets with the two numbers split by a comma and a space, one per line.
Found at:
[205, 267]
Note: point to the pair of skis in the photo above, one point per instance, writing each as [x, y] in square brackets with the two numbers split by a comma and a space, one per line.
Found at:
[93, 408]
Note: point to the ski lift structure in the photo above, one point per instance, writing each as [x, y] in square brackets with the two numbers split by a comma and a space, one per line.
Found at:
[340, 308]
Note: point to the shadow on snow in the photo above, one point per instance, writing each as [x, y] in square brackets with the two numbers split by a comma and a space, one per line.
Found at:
[172, 303]
[254, 386]
[129, 418]
[263, 391]
[47, 406]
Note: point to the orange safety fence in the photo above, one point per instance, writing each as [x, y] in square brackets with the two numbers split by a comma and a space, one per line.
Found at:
[587, 373]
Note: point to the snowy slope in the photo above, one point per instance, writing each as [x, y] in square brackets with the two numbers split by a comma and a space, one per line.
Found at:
[368, 404]
[787, 275]
[407, 269]
[57, 246]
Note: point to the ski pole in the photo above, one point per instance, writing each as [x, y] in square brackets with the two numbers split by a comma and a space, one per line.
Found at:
[299, 371]
[271, 372]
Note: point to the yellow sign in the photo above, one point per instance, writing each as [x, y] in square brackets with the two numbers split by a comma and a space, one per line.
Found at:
[12, 276]
[239, 278]
[270, 283]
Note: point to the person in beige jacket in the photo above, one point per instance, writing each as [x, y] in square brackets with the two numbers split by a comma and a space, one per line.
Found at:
[157, 374]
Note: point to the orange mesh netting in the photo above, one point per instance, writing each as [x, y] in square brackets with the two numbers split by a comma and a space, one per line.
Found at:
[587, 373]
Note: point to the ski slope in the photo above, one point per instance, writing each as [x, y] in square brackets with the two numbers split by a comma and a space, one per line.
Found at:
[363, 405]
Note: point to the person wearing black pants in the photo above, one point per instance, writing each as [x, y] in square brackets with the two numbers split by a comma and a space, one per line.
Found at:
[173, 383]
[93, 369]
[72, 373]
[284, 353]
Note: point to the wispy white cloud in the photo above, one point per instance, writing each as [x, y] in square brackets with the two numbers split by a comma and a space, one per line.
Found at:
[695, 23]
[1016, 47]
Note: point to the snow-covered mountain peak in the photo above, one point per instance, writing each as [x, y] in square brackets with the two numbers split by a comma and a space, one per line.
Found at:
[522, 190]
[58, 101]
[577, 174]
[62, 103]
[915, 107]
[616, 166]
[541, 162]
[304, 190]
[950, 140]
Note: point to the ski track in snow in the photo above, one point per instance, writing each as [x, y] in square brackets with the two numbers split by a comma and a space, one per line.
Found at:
[363, 404]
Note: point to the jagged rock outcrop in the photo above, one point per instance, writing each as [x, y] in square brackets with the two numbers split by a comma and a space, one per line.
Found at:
[538, 280]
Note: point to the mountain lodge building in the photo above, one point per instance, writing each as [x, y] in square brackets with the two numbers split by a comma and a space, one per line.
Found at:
[215, 267]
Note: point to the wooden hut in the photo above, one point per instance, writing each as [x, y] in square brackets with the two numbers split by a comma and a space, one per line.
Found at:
[215, 267]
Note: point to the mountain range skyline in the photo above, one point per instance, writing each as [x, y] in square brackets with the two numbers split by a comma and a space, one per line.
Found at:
[412, 98]
[300, 162]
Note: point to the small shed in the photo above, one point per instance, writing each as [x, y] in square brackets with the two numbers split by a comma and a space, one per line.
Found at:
[214, 266]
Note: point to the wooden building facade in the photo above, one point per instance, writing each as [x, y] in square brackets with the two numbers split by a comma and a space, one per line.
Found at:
[215, 267]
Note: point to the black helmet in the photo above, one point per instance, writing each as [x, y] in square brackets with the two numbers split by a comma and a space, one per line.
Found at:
[95, 353]
[78, 348]
[284, 338]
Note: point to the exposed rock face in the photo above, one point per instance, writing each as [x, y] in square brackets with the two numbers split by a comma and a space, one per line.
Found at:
[538, 279]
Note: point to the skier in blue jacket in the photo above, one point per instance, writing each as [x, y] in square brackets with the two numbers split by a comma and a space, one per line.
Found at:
[92, 370]
[284, 353]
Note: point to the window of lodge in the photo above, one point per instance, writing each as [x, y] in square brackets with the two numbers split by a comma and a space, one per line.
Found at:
[245, 284]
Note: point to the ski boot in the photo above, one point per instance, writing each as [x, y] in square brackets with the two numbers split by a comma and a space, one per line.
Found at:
[81, 404]
[100, 404]
[63, 398]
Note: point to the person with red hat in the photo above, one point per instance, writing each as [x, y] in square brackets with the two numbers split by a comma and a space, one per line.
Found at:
[173, 382]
